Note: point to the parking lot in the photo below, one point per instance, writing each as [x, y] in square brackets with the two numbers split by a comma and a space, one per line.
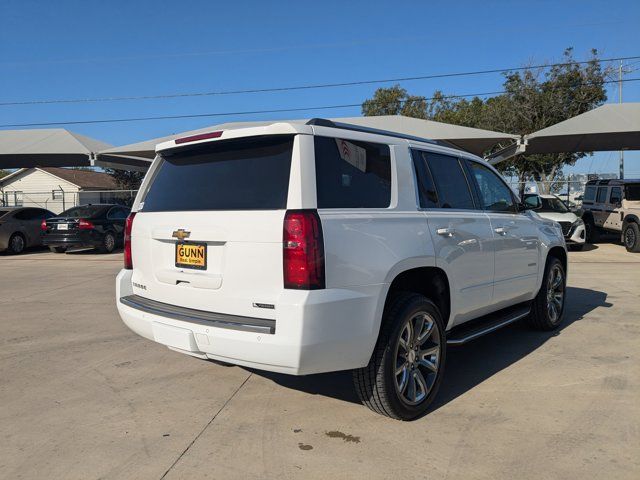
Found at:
[83, 397]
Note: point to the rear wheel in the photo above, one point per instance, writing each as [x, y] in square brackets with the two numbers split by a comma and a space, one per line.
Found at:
[17, 243]
[406, 367]
[631, 237]
[108, 243]
[58, 249]
[548, 306]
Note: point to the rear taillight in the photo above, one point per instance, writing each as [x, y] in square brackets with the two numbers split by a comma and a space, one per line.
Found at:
[43, 225]
[195, 138]
[303, 250]
[128, 259]
[85, 224]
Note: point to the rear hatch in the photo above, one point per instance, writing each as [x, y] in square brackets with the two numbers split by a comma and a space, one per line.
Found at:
[208, 232]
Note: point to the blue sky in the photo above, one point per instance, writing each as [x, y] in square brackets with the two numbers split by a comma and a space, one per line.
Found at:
[86, 49]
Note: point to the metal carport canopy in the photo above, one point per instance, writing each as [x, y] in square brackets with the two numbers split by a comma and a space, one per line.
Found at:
[614, 126]
[473, 140]
[57, 147]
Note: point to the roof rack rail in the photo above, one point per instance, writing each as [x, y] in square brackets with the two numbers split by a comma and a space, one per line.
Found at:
[323, 122]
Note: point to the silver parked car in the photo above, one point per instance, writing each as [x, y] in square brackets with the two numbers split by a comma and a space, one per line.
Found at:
[21, 228]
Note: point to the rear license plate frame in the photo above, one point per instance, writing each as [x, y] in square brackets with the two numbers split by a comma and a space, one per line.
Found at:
[179, 264]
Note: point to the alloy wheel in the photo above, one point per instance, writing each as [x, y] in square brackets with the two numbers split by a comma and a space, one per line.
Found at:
[629, 238]
[109, 243]
[417, 358]
[17, 243]
[555, 293]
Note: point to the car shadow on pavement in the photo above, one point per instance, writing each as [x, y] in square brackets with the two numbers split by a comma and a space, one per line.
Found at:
[468, 365]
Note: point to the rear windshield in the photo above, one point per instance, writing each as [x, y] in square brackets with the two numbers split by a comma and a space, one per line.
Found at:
[244, 174]
[632, 192]
[84, 211]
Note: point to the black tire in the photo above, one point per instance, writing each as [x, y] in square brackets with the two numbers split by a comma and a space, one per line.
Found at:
[377, 383]
[631, 237]
[592, 232]
[17, 244]
[58, 249]
[108, 243]
[542, 315]
[576, 247]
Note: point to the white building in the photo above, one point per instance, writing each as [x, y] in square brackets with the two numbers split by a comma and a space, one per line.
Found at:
[56, 188]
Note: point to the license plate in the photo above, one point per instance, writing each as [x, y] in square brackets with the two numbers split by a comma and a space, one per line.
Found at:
[63, 226]
[191, 255]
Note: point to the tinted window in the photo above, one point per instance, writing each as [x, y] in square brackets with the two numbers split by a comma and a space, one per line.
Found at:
[352, 174]
[602, 195]
[426, 188]
[117, 213]
[244, 174]
[84, 211]
[590, 194]
[4, 212]
[451, 183]
[616, 195]
[494, 193]
[632, 192]
[26, 214]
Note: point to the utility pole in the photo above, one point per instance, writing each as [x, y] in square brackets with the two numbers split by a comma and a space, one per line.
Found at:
[620, 73]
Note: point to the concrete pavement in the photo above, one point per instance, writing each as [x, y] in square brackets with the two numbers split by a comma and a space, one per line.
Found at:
[83, 397]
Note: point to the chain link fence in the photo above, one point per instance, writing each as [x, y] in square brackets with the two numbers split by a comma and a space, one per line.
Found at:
[58, 201]
[570, 191]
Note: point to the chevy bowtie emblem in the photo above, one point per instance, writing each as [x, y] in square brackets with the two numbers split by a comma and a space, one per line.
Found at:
[180, 234]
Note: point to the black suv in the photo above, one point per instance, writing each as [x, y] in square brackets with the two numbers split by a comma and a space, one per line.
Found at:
[99, 226]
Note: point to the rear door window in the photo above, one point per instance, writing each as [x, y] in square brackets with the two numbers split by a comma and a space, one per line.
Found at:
[352, 174]
[450, 181]
[602, 195]
[616, 195]
[427, 194]
[251, 173]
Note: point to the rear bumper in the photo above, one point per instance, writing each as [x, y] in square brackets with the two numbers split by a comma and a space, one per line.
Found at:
[89, 238]
[315, 331]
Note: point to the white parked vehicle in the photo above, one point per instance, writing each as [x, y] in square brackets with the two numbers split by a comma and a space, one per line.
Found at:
[314, 247]
[551, 207]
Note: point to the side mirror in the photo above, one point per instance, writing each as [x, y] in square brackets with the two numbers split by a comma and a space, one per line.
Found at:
[532, 202]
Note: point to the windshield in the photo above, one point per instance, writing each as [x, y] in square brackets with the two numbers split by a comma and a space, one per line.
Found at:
[633, 192]
[3, 213]
[553, 205]
[250, 173]
[83, 211]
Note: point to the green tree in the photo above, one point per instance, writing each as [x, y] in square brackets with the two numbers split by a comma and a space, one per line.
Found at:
[533, 99]
[126, 179]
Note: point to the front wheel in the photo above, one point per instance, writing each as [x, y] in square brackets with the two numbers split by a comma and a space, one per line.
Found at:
[631, 237]
[592, 232]
[405, 370]
[548, 306]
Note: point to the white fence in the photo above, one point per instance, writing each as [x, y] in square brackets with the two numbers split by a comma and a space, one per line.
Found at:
[57, 200]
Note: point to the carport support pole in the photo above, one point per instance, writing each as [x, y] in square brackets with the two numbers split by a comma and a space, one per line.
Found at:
[620, 73]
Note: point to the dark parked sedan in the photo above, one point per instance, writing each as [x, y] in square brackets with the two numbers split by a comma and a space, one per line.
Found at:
[99, 226]
[20, 228]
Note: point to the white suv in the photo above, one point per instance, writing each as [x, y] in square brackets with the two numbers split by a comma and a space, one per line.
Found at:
[307, 247]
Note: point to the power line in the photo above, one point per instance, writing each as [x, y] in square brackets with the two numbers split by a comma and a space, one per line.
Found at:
[252, 112]
[307, 87]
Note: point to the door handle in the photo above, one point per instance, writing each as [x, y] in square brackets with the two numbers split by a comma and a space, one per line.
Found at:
[500, 231]
[446, 232]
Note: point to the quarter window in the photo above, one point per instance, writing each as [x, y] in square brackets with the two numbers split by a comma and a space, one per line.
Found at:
[352, 174]
[589, 194]
[494, 193]
[427, 194]
[451, 182]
